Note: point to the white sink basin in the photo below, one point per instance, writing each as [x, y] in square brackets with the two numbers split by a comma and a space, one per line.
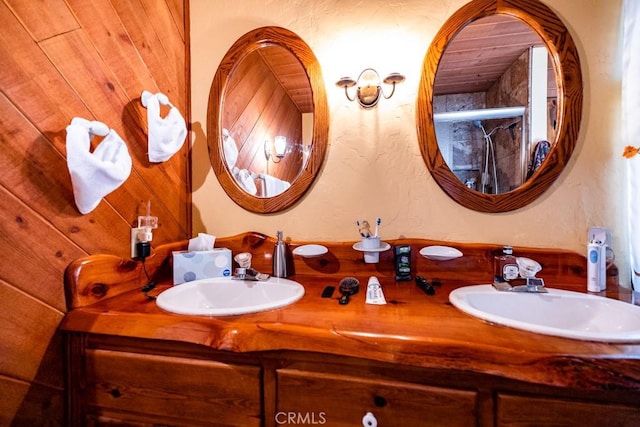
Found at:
[560, 313]
[224, 296]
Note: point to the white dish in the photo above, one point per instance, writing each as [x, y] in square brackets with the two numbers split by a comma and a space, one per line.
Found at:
[384, 246]
[310, 251]
[440, 253]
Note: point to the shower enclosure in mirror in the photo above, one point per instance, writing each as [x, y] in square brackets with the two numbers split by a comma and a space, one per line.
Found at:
[494, 103]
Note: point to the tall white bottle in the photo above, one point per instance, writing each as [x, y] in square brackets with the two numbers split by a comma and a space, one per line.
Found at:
[596, 267]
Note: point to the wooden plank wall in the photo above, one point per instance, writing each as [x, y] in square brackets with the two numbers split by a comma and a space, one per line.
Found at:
[261, 108]
[60, 59]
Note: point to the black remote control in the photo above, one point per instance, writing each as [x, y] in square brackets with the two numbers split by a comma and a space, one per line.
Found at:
[426, 287]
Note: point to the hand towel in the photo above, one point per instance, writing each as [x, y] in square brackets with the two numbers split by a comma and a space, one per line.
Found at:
[539, 154]
[94, 175]
[165, 135]
[245, 180]
[229, 148]
[274, 186]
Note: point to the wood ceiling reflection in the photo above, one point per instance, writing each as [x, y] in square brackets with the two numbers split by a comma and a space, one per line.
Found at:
[482, 51]
[291, 75]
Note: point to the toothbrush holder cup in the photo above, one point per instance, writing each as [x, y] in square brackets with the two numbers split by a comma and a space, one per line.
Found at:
[374, 244]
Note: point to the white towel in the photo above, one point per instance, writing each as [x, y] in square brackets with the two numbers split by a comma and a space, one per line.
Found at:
[230, 149]
[274, 186]
[94, 175]
[165, 135]
[244, 178]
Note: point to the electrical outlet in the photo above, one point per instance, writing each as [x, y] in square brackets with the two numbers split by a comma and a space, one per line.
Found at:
[602, 234]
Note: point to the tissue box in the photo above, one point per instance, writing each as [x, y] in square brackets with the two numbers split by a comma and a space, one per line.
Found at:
[190, 266]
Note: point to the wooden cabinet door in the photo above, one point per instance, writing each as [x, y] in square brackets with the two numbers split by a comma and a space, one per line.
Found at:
[342, 400]
[523, 411]
[163, 390]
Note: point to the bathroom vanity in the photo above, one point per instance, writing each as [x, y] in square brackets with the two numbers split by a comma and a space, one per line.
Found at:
[415, 361]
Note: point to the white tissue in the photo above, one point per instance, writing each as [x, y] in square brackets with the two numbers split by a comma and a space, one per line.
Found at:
[165, 135]
[94, 175]
[204, 242]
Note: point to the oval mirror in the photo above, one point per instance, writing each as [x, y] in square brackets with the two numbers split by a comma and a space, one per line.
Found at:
[499, 104]
[267, 126]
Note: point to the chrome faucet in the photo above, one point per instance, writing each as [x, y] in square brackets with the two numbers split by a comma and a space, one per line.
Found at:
[244, 273]
[533, 285]
[528, 282]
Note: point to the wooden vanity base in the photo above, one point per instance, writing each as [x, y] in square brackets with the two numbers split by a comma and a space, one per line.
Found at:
[414, 361]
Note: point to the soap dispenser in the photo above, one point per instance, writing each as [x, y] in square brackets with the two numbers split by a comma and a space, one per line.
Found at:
[280, 264]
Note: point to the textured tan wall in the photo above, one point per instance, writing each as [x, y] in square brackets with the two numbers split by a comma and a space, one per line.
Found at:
[374, 167]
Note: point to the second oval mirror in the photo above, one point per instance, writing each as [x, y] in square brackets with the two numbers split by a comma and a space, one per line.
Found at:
[499, 103]
[268, 122]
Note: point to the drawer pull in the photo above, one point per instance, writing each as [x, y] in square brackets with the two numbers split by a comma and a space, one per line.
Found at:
[379, 401]
[369, 420]
[115, 393]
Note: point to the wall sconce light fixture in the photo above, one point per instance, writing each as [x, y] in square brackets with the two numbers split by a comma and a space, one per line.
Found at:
[368, 87]
[280, 144]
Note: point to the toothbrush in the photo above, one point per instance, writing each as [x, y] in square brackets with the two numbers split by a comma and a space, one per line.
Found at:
[364, 228]
[359, 229]
[378, 221]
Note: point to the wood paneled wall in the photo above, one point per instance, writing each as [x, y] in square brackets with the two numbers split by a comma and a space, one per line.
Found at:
[60, 59]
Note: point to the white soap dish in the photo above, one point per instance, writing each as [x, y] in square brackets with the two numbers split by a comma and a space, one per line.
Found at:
[310, 251]
[440, 253]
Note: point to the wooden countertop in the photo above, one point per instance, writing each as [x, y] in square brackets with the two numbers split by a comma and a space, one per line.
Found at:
[411, 329]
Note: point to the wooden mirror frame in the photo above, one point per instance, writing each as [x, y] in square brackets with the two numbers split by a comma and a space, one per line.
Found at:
[566, 63]
[246, 44]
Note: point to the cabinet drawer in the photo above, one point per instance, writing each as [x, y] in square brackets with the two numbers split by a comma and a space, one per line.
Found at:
[521, 411]
[339, 400]
[166, 388]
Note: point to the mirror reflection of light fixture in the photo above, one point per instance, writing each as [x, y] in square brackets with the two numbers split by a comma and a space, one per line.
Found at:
[368, 88]
[280, 144]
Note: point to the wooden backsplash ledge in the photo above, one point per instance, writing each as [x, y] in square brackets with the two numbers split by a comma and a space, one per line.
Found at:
[102, 276]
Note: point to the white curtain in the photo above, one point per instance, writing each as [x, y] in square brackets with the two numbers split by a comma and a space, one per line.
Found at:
[631, 126]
